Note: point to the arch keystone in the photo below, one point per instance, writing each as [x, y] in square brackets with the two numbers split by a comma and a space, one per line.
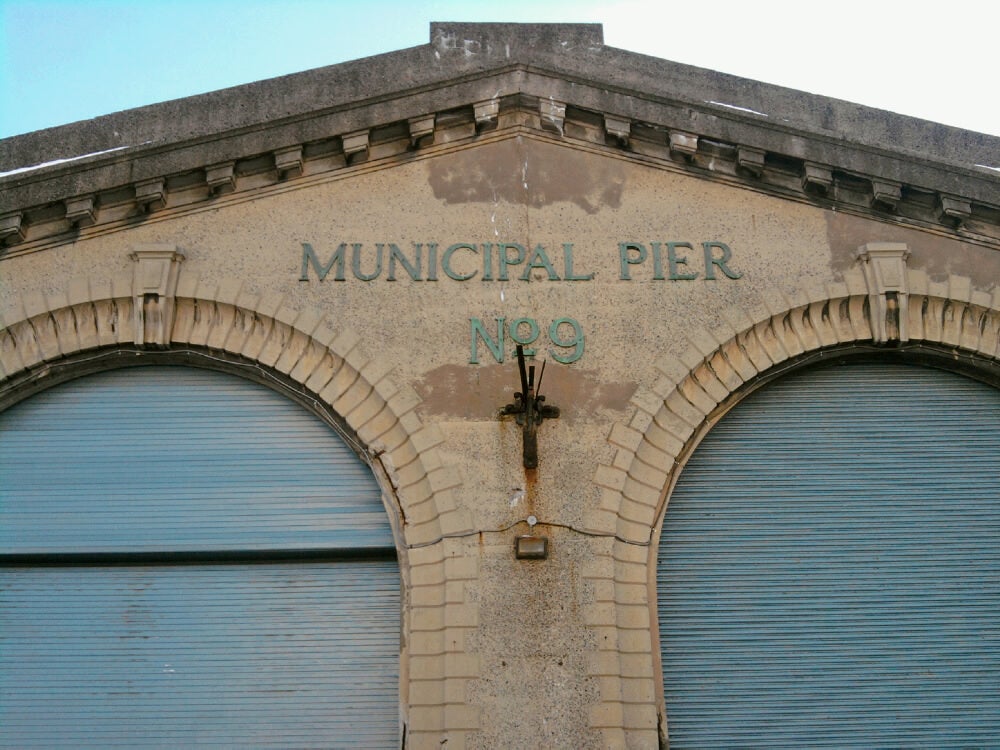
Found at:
[154, 286]
[884, 265]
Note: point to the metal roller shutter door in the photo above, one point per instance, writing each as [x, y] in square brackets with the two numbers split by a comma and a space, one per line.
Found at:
[829, 567]
[192, 560]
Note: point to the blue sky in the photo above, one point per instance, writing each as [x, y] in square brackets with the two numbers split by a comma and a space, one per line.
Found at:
[67, 60]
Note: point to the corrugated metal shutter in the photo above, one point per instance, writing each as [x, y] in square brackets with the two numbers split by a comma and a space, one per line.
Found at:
[252, 598]
[172, 458]
[829, 567]
[233, 655]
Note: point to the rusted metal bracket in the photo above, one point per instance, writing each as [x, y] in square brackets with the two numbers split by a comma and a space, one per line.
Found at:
[530, 409]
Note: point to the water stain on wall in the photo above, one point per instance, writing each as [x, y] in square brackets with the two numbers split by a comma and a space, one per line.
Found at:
[479, 392]
[938, 256]
[526, 172]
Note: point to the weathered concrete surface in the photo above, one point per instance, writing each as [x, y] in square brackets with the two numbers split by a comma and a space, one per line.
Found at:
[466, 63]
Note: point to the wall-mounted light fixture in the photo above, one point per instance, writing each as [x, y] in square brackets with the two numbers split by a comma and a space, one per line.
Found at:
[531, 546]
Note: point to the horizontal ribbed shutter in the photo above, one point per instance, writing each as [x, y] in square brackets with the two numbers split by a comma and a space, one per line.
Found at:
[163, 470]
[171, 458]
[829, 567]
[263, 656]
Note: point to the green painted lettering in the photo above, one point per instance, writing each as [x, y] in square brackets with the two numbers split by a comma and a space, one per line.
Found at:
[626, 259]
[446, 261]
[356, 262]
[309, 258]
[576, 342]
[432, 255]
[526, 331]
[711, 261]
[524, 339]
[568, 265]
[487, 261]
[396, 254]
[506, 260]
[675, 262]
[479, 332]
[539, 259]
[657, 262]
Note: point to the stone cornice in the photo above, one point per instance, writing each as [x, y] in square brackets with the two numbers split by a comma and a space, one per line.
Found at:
[476, 78]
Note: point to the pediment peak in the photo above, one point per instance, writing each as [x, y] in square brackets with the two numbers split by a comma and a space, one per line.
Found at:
[509, 39]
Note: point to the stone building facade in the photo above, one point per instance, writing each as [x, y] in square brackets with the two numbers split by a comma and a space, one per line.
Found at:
[374, 239]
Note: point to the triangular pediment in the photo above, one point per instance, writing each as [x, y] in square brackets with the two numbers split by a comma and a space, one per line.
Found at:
[470, 83]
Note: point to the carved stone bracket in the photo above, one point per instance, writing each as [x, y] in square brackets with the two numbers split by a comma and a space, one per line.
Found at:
[487, 114]
[151, 195]
[816, 178]
[11, 229]
[884, 264]
[954, 209]
[80, 212]
[619, 129]
[553, 114]
[685, 144]
[421, 130]
[751, 160]
[288, 161]
[886, 194]
[356, 145]
[154, 284]
[221, 178]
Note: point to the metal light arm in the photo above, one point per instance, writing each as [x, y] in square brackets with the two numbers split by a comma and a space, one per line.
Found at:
[529, 409]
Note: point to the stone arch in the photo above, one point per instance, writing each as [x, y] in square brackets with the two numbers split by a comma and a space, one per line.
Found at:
[691, 393]
[92, 317]
[325, 359]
